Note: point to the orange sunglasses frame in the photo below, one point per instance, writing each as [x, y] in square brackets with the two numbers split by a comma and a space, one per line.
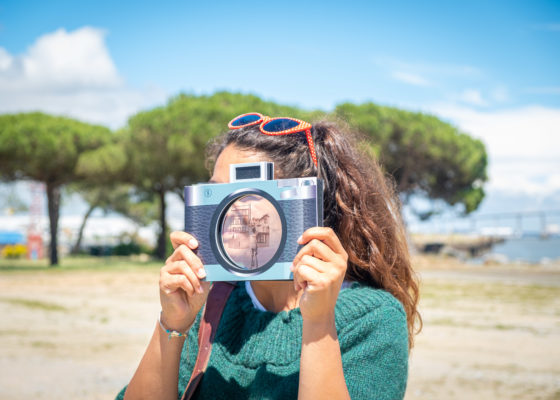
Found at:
[263, 120]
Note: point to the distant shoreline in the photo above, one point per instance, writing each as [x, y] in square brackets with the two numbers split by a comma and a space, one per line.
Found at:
[529, 248]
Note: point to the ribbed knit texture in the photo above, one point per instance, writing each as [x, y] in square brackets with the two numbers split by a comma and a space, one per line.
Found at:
[256, 354]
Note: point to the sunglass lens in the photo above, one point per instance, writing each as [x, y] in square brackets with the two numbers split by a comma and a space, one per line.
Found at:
[246, 119]
[279, 125]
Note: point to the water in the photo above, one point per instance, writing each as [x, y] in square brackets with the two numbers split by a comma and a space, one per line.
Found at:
[531, 249]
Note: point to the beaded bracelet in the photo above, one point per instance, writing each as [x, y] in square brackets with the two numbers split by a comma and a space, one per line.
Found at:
[170, 332]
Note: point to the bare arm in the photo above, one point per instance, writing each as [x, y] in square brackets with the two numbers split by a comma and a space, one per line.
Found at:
[321, 375]
[319, 269]
[158, 372]
[182, 295]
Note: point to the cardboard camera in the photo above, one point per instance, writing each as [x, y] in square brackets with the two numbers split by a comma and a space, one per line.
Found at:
[248, 229]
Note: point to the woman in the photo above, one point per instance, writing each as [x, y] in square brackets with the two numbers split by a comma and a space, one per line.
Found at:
[344, 326]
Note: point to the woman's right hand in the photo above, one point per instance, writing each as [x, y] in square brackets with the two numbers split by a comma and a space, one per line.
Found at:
[182, 294]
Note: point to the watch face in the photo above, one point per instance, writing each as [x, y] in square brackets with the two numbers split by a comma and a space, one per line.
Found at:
[251, 232]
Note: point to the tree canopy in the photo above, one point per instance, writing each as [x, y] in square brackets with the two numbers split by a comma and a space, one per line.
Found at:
[425, 155]
[46, 148]
[161, 150]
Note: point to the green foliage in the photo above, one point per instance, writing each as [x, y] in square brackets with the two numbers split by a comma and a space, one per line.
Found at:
[102, 165]
[130, 248]
[165, 145]
[161, 150]
[45, 148]
[425, 155]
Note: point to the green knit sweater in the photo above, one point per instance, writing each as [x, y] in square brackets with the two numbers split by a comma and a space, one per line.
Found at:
[256, 354]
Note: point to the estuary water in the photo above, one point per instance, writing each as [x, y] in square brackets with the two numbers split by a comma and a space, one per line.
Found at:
[531, 249]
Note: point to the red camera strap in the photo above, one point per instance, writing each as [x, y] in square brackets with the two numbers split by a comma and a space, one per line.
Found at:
[215, 304]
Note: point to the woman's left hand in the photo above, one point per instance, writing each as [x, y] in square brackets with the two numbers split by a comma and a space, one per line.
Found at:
[319, 268]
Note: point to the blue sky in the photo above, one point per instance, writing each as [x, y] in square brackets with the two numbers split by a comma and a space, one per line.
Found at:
[317, 54]
[491, 68]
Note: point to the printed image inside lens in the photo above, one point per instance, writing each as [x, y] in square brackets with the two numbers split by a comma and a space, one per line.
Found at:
[280, 124]
[251, 232]
[247, 119]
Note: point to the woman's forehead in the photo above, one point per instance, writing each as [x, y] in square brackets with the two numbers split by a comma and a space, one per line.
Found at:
[233, 155]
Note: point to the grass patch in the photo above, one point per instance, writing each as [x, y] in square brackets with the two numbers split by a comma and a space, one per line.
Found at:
[34, 304]
[489, 293]
[457, 323]
[503, 327]
[12, 332]
[83, 263]
[43, 345]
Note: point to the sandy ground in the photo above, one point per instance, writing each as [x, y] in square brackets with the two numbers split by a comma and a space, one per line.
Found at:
[489, 332]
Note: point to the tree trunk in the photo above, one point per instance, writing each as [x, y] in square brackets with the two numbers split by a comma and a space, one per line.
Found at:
[161, 244]
[403, 184]
[78, 243]
[53, 200]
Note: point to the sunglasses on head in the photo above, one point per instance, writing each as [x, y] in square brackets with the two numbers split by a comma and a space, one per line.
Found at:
[276, 126]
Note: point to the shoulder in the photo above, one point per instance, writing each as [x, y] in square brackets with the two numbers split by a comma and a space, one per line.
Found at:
[363, 312]
[358, 300]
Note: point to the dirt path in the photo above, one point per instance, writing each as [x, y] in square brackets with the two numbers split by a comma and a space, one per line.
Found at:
[73, 335]
[489, 333]
[80, 334]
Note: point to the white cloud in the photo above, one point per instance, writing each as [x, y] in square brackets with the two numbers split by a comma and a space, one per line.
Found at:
[500, 94]
[472, 96]
[410, 78]
[60, 59]
[6, 60]
[475, 97]
[70, 73]
[530, 176]
[523, 145]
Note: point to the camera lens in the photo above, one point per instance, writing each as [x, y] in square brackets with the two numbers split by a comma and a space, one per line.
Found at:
[251, 231]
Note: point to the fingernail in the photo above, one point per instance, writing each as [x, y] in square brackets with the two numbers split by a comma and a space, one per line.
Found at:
[200, 290]
[167, 291]
[292, 267]
[201, 273]
[193, 244]
[299, 239]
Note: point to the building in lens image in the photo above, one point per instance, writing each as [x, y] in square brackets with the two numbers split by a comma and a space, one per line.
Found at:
[247, 229]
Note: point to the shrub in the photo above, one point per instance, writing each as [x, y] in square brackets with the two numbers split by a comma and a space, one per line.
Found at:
[14, 251]
[126, 249]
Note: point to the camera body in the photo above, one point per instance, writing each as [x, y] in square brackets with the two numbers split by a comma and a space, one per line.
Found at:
[248, 229]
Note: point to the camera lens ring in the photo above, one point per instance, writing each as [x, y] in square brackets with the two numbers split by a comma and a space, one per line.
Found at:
[216, 223]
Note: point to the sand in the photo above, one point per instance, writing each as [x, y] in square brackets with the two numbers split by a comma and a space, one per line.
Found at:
[490, 332]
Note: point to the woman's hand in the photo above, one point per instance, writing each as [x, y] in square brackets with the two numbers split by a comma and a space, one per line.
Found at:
[319, 269]
[182, 294]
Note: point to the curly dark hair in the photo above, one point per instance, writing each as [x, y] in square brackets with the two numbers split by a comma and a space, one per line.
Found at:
[360, 203]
